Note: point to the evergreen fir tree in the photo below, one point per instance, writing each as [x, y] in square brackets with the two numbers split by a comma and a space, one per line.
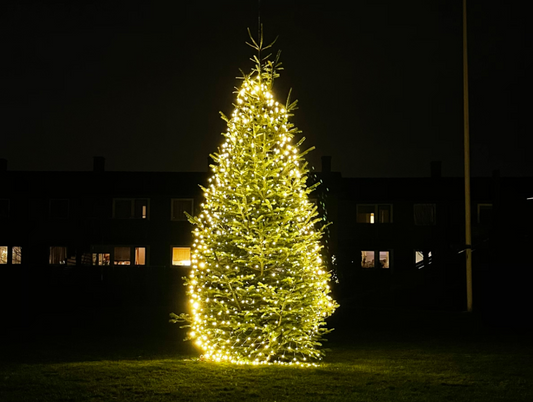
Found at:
[258, 288]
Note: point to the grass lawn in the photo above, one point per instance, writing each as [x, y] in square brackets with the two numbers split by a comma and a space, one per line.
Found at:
[376, 355]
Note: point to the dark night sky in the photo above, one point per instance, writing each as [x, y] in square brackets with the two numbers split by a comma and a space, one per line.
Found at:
[379, 82]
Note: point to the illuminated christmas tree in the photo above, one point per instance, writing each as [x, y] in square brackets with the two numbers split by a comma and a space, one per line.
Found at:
[259, 288]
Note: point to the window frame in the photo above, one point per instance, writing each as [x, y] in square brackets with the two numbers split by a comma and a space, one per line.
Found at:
[172, 256]
[4, 250]
[420, 264]
[434, 214]
[98, 256]
[377, 254]
[132, 201]
[184, 219]
[479, 206]
[364, 259]
[376, 207]
[50, 256]
[134, 250]
[97, 250]
[114, 256]
[18, 260]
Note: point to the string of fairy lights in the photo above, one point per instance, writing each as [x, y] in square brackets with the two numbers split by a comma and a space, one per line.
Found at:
[258, 288]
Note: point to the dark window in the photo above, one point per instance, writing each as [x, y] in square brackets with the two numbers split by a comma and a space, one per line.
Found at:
[123, 209]
[86, 259]
[179, 207]
[425, 214]
[59, 209]
[484, 214]
[385, 213]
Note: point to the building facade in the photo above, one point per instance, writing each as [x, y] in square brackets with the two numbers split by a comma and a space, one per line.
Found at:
[391, 239]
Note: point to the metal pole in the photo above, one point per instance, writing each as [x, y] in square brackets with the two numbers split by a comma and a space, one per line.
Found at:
[468, 219]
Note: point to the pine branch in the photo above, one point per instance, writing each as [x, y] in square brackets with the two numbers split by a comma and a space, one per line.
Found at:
[254, 278]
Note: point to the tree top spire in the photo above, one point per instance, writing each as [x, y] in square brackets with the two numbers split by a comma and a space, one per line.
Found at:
[265, 68]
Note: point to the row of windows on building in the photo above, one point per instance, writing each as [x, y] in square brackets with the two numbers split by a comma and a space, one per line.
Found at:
[101, 255]
[123, 208]
[179, 256]
[423, 214]
[382, 259]
[139, 208]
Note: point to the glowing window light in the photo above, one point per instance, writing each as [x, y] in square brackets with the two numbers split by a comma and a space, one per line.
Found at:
[122, 256]
[140, 255]
[16, 258]
[181, 256]
[3, 254]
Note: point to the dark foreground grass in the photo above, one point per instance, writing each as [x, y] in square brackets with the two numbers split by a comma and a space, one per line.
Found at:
[392, 357]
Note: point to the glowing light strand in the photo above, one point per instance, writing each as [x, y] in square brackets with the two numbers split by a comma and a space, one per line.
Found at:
[258, 288]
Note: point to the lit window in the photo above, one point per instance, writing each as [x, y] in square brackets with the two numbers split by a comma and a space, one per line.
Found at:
[3, 254]
[384, 259]
[374, 213]
[484, 214]
[367, 259]
[122, 256]
[181, 256]
[58, 255]
[59, 209]
[16, 257]
[178, 208]
[419, 259]
[130, 208]
[140, 255]
[425, 214]
[101, 258]
[4, 209]
[365, 213]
